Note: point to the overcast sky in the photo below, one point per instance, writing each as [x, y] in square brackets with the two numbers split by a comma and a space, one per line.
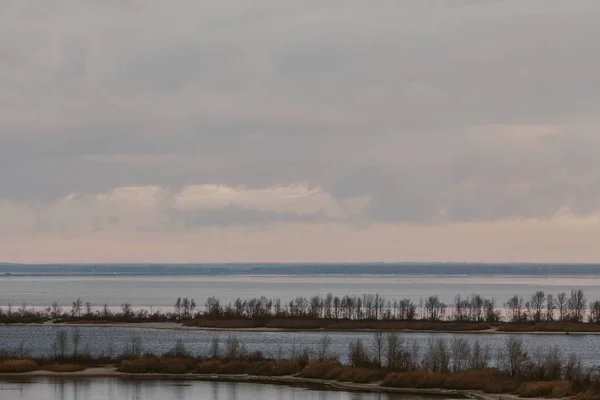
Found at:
[269, 130]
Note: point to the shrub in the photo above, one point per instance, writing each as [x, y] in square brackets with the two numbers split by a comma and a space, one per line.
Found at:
[490, 381]
[416, 379]
[360, 375]
[17, 366]
[471, 380]
[148, 364]
[548, 389]
[276, 368]
[234, 368]
[319, 369]
[502, 384]
[207, 367]
[592, 393]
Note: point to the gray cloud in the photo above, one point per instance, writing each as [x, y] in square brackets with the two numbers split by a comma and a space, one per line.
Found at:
[438, 110]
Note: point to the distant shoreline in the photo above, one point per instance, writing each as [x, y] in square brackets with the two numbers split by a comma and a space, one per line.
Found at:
[299, 269]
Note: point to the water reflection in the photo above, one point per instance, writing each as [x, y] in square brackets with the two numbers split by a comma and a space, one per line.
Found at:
[117, 389]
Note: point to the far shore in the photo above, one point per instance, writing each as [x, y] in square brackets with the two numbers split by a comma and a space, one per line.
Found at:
[111, 372]
[178, 326]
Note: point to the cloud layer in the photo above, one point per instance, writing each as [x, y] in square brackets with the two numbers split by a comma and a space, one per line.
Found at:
[146, 117]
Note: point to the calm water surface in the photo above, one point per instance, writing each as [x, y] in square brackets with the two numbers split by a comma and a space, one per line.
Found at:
[117, 389]
[161, 291]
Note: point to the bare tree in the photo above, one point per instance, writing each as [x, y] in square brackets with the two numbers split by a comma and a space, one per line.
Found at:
[538, 301]
[56, 310]
[88, 309]
[594, 314]
[234, 349]
[513, 357]
[127, 310]
[214, 347]
[461, 353]
[461, 308]
[435, 310]
[212, 307]
[76, 340]
[514, 308]
[377, 345]
[179, 349]
[135, 349]
[76, 308]
[436, 357]
[324, 345]
[178, 307]
[573, 370]
[407, 310]
[491, 314]
[61, 343]
[357, 354]
[394, 350]
[577, 304]
[480, 356]
[550, 307]
[562, 303]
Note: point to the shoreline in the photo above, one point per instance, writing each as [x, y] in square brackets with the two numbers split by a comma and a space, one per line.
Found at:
[177, 326]
[288, 380]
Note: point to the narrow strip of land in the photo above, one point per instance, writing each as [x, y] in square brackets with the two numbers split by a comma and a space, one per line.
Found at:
[180, 326]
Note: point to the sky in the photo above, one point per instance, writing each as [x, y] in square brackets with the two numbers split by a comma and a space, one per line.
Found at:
[299, 131]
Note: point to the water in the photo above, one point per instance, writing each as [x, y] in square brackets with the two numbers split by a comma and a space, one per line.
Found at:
[161, 291]
[104, 339]
[121, 389]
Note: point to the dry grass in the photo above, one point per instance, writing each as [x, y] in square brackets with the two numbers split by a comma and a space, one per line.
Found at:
[592, 393]
[503, 384]
[489, 381]
[64, 368]
[320, 369]
[165, 365]
[361, 375]
[17, 366]
[549, 389]
[207, 367]
[276, 368]
[415, 379]
[235, 368]
[335, 371]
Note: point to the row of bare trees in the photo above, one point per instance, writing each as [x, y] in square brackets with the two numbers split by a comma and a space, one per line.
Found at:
[475, 308]
[393, 352]
[546, 307]
[539, 307]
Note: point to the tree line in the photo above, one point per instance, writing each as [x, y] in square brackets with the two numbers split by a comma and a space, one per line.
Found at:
[538, 307]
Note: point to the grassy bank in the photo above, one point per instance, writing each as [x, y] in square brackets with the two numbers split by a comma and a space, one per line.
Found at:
[488, 381]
